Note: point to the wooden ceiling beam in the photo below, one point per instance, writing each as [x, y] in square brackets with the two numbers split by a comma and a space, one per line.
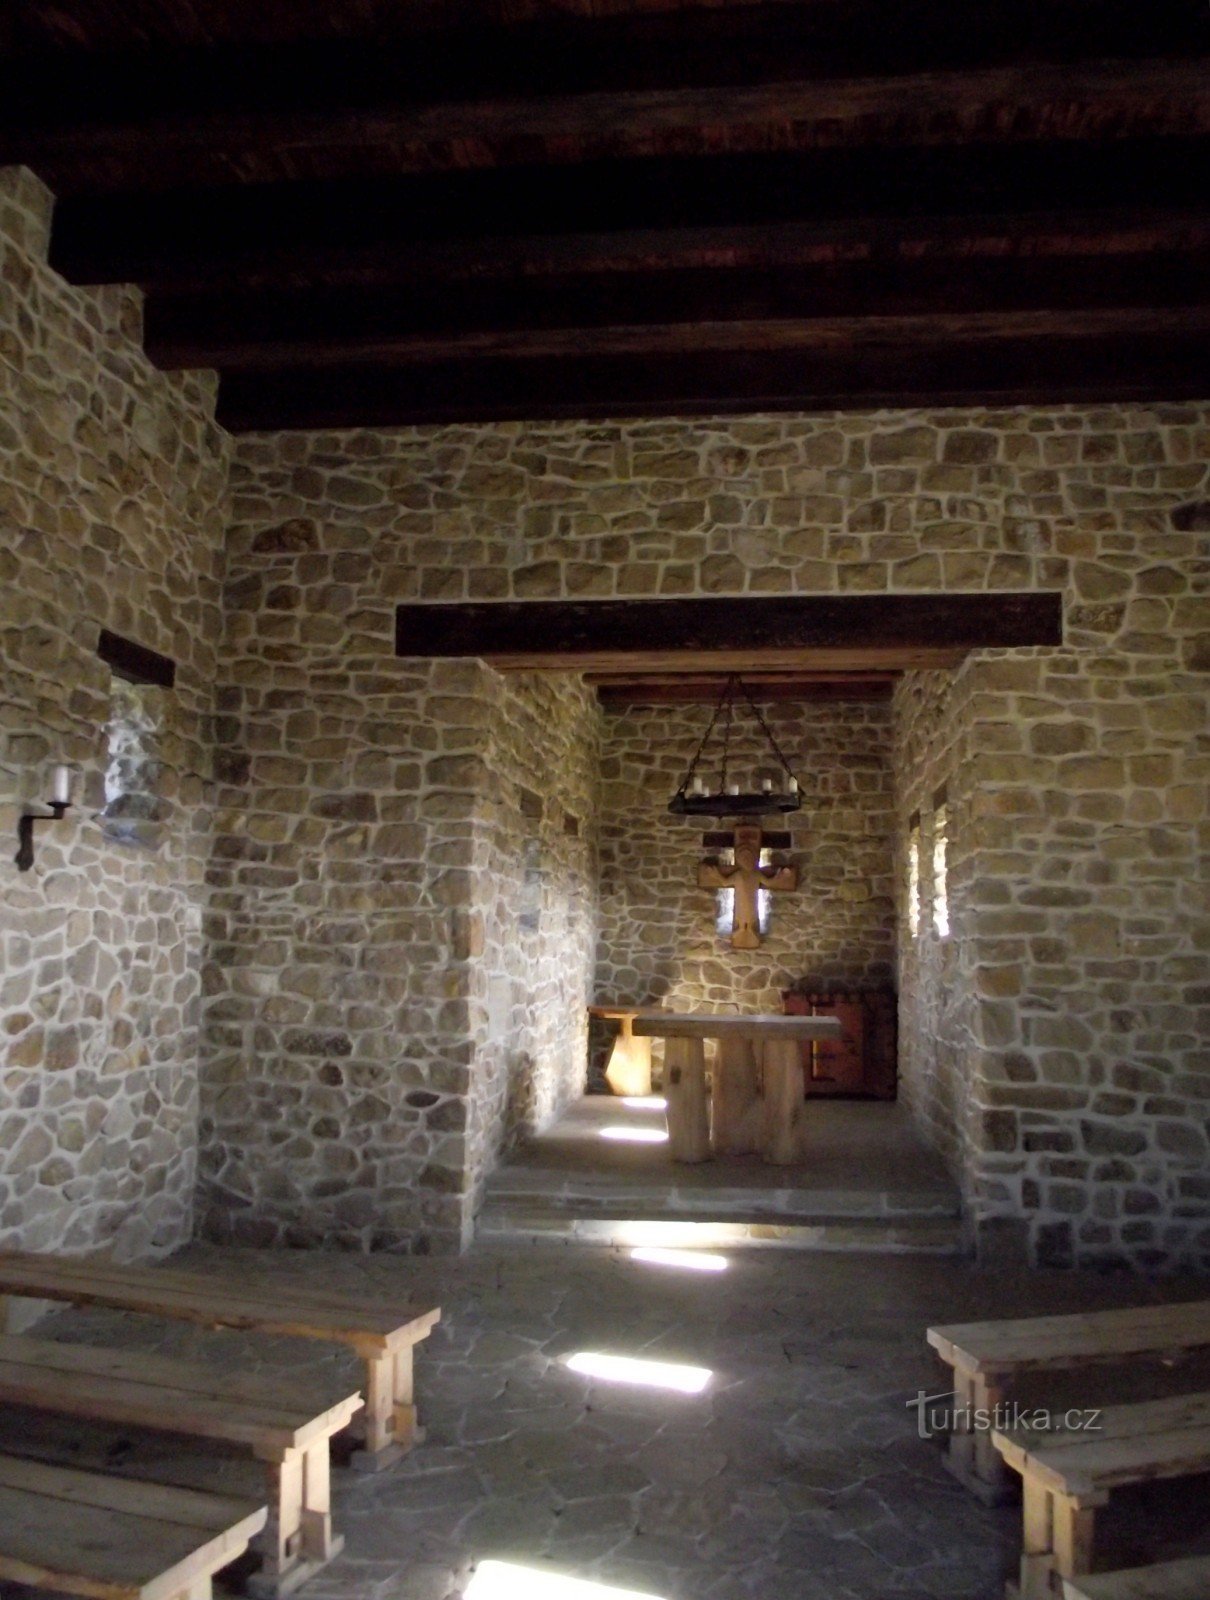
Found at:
[808, 335]
[834, 28]
[176, 148]
[882, 298]
[742, 634]
[995, 372]
[289, 229]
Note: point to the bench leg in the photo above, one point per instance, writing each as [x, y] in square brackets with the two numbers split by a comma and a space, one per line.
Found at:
[390, 1411]
[297, 1539]
[198, 1589]
[1057, 1541]
[1074, 1527]
[971, 1456]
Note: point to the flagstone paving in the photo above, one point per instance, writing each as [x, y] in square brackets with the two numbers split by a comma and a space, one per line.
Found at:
[797, 1474]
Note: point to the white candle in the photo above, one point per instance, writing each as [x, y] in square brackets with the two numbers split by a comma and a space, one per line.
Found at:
[60, 780]
[793, 785]
[767, 785]
[733, 788]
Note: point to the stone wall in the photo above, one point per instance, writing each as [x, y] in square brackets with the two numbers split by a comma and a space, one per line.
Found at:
[400, 911]
[537, 885]
[112, 484]
[938, 1055]
[397, 898]
[1054, 1046]
[659, 943]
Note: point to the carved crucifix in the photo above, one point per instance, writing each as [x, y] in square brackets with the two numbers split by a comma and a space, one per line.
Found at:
[747, 877]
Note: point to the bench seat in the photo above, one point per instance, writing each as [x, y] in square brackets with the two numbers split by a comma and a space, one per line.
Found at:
[1067, 1475]
[987, 1357]
[1170, 1580]
[87, 1534]
[382, 1332]
[287, 1431]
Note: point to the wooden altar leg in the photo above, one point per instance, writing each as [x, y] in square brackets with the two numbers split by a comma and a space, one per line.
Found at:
[629, 1069]
[735, 1098]
[685, 1092]
[781, 1134]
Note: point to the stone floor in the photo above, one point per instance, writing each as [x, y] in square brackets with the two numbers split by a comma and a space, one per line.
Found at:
[852, 1145]
[866, 1182]
[796, 1475]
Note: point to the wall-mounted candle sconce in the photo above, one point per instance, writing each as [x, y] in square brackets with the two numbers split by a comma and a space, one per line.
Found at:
[62, 782]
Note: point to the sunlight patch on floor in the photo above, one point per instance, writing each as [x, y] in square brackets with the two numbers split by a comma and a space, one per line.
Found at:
[672, 1375]
[690, 1260]
[505, 1580]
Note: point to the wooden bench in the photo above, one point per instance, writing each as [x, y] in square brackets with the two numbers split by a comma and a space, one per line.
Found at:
[1170, 1580]
[1066, 1476]
[987, 1356]
[382, 1334]
[290, 1435]
[87, 1534]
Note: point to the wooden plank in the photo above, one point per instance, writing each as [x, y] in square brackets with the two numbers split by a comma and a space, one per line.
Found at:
[295, 1401]
[1027, 1343]
[380, 1313]
[85, 1534]
[114, 1397]
[696, 1025]
[191, 1508]
[1188, 1579]
[1133, 1443]
[205, 1301]
[570, 634]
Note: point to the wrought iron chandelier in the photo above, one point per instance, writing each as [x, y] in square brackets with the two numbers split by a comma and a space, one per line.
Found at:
[694, 798]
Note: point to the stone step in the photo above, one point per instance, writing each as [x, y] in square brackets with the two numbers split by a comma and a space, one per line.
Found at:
[531, 1189]
[548, 1224]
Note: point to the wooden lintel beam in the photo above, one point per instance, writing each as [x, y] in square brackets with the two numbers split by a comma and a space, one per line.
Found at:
[732, 633]
[843, 687]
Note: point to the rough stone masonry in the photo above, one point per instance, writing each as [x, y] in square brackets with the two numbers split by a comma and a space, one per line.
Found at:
[351, 961]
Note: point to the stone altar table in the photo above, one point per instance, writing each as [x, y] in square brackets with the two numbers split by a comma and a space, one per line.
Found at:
[746, 1116]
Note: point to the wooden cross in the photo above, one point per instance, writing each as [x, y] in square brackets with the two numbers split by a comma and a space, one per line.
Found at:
[747, 877]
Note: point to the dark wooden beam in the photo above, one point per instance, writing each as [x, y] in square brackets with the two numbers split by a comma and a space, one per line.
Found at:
[289, 230]
[807, 335]
[189, 109]
[730, 633]
[886, 299]
[834, 29]
[135, 662]
[805, 688]
[210, 147]
[994, 372]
